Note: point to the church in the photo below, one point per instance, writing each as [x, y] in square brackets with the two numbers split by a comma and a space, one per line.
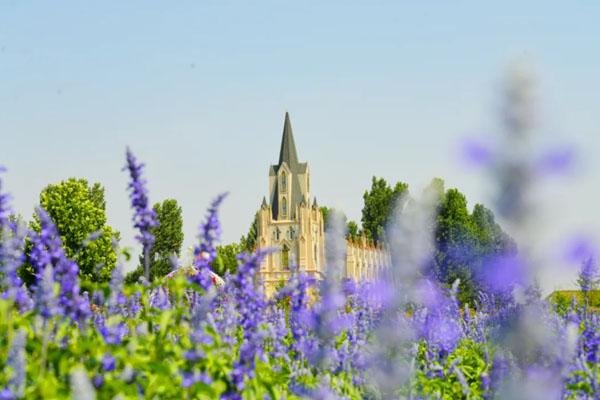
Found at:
[293, 223]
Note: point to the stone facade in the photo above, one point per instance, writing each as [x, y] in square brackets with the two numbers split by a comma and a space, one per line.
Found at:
[365, 261]
[290, 222]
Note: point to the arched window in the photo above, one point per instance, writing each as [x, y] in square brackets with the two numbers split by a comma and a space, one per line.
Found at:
[284, 207]
[283, 181]
[285, 256]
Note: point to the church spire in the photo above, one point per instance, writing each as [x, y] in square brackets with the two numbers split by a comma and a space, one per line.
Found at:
[288, 147]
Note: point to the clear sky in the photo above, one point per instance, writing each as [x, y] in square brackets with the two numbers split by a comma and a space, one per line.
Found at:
[199, 89]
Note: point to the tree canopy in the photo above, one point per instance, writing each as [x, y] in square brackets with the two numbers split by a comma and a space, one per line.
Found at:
[352, 230]
[379, 203]
[462, 241]
[79, 213]
[248, 241]
[226, 260]
[168, 239]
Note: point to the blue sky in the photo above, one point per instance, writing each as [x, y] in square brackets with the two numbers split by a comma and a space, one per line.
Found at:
[199, 90]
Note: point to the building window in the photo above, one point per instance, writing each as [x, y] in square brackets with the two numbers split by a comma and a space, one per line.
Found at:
[284, 207]
[285, 257]
[292, 233]
[283, 181]
[315, 253]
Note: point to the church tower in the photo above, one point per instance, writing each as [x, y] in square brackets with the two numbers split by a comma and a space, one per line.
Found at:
[288, 221]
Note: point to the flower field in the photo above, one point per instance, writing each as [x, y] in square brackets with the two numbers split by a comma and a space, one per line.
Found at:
[401, 336]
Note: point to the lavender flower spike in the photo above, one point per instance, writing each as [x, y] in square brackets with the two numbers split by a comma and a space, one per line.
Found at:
[4, 208]
[16, 362]
[144, 218]
[206, 252]
[12, 242]
[47, 252]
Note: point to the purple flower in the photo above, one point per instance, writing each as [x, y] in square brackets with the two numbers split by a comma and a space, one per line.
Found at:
[296, 292]
[225, 313]
[16, 362]
[477, 153]
[206, 251]
[12, 241]
[133, 304]
[590, 339]
[159, 298]
[108, 362]
[47, 251]
[555, 161]
[190, 378]
[277, 332]
[501, 274]
[579, 249]
[116, 300]
[588, 275]
[327, 323]
[250, 305]
[11, 258]
[439, 322]
[45, 301]
[98, 381]
[7, 394]
[113, 333]
[194, 355]
[144, 217]
[4, 200]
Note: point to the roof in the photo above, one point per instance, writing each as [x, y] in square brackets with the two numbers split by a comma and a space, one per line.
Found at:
[289, 156]
[288, 153]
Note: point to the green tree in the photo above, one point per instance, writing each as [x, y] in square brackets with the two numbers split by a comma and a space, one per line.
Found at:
[79, 212]
[353, 232]
[434, 193]
[491, 238]
[168, 236]
[226, 260]
[379, 203]
[168, 239]
[352, 229]
[456, 244]
[325, 213]
[248, 242]
[464, 242]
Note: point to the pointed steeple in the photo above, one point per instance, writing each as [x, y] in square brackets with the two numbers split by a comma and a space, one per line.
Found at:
[288, 147]
[264, 202]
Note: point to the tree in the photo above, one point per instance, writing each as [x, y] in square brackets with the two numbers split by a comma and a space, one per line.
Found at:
[248, 242]
[352, 230]
[433, 194]
[226, 260]
[492, 239]
[168, 239]
[379, 204]
[464, 242]
[325, 211]
[455, 244]
[587, 280]
[79, 213]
